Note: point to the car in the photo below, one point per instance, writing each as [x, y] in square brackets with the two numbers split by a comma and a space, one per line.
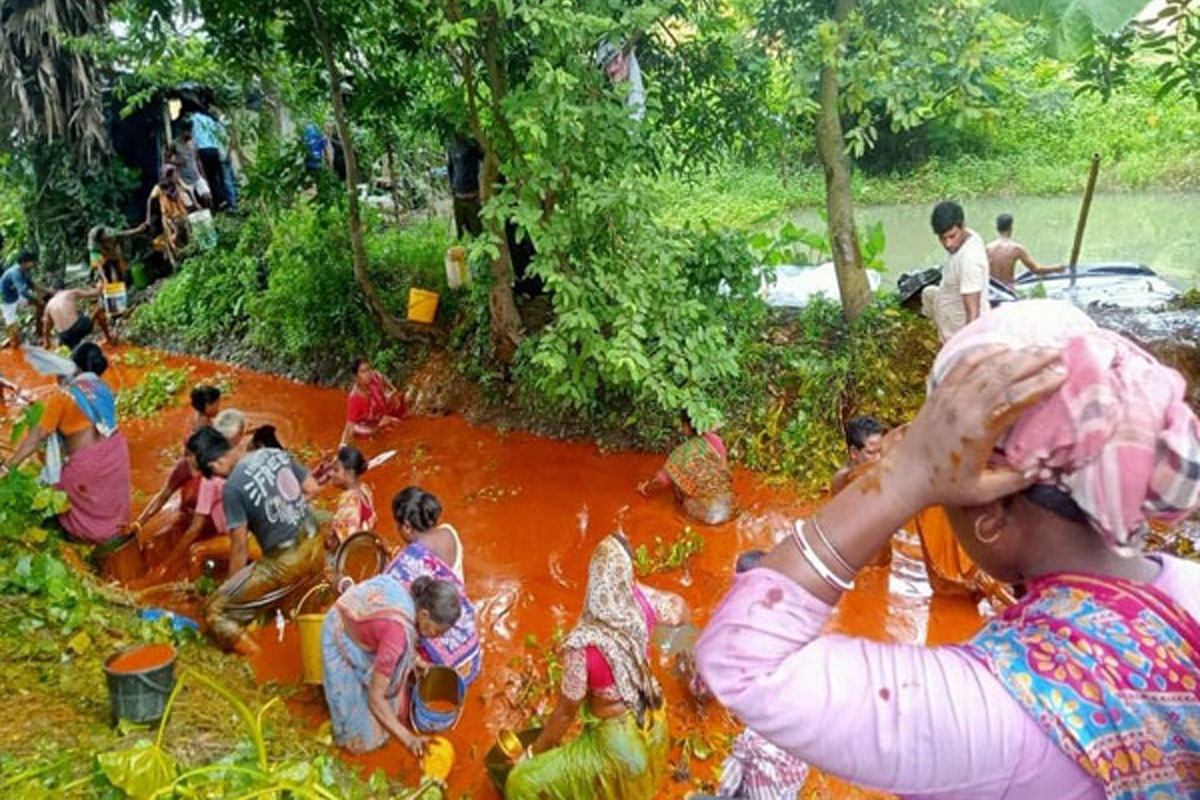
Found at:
[1125, 285]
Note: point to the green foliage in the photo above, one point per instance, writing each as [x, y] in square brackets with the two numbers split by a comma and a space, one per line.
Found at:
[284, 293]
[804, 381]
[60, 200]
[1074, 23]
[158, 388]
[668, 556]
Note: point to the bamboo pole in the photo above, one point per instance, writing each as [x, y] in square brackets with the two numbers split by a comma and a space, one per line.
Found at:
[1083, 215]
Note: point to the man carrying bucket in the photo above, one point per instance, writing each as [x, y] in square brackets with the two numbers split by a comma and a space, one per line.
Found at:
[266, 494]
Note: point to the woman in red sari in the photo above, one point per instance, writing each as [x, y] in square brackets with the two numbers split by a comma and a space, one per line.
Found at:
[374, 402]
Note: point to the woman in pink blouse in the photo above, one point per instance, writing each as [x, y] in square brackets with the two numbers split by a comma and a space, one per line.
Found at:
[1050, 442]
[621, 754]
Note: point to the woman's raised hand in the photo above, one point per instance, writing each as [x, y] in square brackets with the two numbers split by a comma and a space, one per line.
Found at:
[943, 457]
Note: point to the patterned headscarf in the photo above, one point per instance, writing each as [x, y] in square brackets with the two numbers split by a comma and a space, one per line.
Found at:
[613, 623]
[1118, 434]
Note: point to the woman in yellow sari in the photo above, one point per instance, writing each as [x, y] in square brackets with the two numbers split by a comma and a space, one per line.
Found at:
[166, 214]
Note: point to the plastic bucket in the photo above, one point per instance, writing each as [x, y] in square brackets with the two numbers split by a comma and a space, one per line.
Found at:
[204, 232]
[312, 670]
[139, 681]
[422, 305]
[456, 267]
[115, 298]
[437, 700]
[141, 276]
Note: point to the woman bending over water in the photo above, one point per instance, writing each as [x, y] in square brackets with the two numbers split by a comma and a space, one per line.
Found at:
[1049, 442]
[368, 648]
[698, 473]
[622, 749]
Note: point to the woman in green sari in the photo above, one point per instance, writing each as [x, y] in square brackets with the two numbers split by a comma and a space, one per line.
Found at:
[622, 750]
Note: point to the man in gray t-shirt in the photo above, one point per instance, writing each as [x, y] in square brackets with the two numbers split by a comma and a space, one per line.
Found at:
[265, 494]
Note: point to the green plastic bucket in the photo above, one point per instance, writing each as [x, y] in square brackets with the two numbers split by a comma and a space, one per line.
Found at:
[139, 681]
[141, 276]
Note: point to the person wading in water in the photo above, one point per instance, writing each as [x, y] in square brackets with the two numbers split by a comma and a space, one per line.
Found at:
[1050, 442]
[1003, 253]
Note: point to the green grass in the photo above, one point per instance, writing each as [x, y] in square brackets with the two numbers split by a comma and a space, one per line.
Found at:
[1038, 142]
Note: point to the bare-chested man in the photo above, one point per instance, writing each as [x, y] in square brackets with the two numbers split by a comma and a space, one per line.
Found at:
[64, 318]
[1003, 254]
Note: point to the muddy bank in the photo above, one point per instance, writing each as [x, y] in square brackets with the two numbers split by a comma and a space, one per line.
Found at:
[529, 511]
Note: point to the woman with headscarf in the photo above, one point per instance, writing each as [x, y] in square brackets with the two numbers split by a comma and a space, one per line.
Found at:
[622, 749]
[698, 473]
[80, 422]
[1049, 442]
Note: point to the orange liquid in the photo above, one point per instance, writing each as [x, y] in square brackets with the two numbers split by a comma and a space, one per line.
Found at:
[529, 511]
[361, 563]
[440, 706]
[143, 658]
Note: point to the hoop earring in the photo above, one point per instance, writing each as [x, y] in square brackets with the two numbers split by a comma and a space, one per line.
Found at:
[982, 540]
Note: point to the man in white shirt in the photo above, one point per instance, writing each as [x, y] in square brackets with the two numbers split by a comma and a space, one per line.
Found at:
[963, 294]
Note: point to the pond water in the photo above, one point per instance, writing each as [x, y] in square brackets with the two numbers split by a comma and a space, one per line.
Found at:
[530, 510]
[1156, 228]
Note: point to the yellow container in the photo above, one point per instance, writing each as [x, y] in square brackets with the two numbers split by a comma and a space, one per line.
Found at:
[422, 305]
[309, 625]
[310, 646]
[115, 298]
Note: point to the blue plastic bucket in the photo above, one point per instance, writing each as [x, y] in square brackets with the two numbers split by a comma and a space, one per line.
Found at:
[437, 700]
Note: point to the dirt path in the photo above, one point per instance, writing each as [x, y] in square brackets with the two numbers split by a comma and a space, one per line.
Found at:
[529, 511]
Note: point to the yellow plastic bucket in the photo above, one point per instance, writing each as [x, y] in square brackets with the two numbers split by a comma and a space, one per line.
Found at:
[422, 305]
[311, 669]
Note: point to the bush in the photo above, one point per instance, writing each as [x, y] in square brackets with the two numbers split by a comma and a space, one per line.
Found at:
[640, 331]
[802, 382]
[205, 304]
[281, 291]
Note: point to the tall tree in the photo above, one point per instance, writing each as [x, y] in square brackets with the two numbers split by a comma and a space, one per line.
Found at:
[50, 92]
[853, 286]
[875, 62]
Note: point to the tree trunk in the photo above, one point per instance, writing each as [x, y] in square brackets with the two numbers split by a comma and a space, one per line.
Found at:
[391, 326]
[831, 147]
[506, 318]
[391, 165]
